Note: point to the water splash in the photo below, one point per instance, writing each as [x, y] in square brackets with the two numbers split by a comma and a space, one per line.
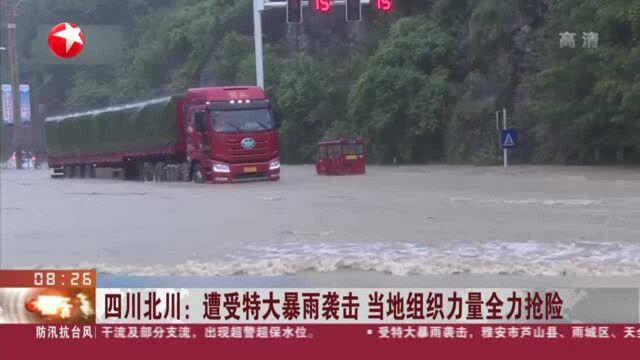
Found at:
[499, 258]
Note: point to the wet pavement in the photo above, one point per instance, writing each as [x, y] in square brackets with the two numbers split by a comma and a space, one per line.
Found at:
[396, 221]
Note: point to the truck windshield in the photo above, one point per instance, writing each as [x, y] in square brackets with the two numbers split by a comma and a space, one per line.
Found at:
[249, 120]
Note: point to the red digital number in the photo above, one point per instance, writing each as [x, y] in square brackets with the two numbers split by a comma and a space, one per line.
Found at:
[384, 5]
[323, 6]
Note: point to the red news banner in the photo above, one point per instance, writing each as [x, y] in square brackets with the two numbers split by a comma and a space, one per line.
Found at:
[54, 310]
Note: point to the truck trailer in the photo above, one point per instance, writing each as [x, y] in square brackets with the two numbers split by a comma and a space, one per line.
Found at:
[212, 134]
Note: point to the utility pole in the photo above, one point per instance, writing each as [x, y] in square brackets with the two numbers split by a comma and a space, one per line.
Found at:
[12, 47]
[505, 152]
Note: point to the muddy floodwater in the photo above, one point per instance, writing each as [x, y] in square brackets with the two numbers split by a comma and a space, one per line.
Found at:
[395, 221]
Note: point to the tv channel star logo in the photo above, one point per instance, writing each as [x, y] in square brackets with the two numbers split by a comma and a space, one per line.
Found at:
[66, 40]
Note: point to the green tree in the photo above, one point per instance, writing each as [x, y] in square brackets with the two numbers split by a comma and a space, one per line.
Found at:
[586, 99]
[419, 84]
[402, 98]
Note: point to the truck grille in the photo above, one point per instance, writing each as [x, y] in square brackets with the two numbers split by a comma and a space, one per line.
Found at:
[238, 153]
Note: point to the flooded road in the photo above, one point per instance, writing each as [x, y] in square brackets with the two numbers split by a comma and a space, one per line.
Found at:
[435, 220]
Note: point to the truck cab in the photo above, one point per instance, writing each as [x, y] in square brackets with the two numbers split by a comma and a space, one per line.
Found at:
[231, 135]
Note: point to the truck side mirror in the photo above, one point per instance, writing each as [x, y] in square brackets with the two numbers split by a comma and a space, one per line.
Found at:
[278, 122]
[201, 126]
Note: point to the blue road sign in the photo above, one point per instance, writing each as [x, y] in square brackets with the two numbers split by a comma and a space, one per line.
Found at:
[509, 138]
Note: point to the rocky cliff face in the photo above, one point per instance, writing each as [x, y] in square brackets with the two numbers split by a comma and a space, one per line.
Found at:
[499, 47]
[498, 63]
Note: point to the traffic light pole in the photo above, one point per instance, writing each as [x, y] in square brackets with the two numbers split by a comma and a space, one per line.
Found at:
[258, 7]
[12, 48]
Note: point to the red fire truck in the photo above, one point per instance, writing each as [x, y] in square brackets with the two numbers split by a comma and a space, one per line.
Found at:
[215, 134]
[341, 157]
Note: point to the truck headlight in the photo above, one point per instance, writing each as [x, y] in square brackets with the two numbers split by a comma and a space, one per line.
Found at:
[221, 168]
[274, 165]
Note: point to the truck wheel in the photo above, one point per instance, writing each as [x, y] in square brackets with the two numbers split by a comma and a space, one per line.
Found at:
[89, 171]
[78, 171]
[171, 173]
[68, 172]
[148, 173]
[183, 172]
[160, 172]
[133, 170]
[138, 171]
[196, 174]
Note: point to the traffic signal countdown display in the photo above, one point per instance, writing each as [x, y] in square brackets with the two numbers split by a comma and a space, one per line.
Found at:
[384, 5]
[322, 6]
[353, 8]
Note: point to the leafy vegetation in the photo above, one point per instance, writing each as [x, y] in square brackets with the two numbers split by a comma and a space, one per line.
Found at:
[420, 85]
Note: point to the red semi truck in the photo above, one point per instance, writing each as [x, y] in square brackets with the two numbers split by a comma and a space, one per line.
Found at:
[214, 134]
